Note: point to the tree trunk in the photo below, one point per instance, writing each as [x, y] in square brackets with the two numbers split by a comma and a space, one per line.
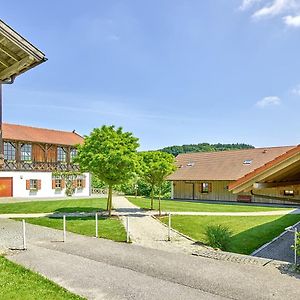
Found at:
[152, 198]
[159, 196]
[109, 200]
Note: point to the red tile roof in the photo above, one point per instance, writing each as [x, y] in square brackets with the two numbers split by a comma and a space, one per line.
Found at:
[224, 165]
[40, 135]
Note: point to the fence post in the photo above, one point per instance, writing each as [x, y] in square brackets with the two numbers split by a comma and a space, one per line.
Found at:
[96, 219]
[127, 230]
[169, 228]
[24, 235]
[295, 247]
[64, 228]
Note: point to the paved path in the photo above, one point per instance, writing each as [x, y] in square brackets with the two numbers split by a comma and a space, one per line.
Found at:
[147, 231]
[279, 248]
[102, 269]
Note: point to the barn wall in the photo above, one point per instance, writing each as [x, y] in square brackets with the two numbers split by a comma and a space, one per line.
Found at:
[219, 192]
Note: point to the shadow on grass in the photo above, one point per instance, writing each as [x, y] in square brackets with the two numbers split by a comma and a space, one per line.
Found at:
[77, 209]
[249, 240]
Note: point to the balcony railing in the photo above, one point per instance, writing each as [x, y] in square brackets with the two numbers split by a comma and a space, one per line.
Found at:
[10, 165]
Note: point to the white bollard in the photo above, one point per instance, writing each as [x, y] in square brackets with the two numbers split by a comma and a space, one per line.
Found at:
[64, 221]
[295, 247]
[96, 219]
[24, 235]
[127, 230]
[169, 228]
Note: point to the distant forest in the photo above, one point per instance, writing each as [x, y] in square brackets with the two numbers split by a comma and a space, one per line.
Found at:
[204, 147]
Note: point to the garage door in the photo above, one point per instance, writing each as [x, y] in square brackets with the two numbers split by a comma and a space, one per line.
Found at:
[6, 187]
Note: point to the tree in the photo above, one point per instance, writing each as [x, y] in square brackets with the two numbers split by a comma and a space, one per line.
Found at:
[111, 155]
[155, 167]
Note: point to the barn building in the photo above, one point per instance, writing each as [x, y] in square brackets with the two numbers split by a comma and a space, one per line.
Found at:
[265, 175]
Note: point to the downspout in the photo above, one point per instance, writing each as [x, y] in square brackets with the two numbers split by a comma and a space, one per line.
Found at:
[296, 200]
[10, 81]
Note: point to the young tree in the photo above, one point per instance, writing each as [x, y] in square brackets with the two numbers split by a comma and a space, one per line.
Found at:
[155, 168]
[111, 155]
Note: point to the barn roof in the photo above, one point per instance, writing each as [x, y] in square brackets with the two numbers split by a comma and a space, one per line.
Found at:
[224, 165]
[40, 135]
[17, 55]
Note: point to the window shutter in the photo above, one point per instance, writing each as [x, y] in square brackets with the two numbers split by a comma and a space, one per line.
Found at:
[53, 184]
[296, 193]
[281, 192]
[39, 184]
[74, 183]
[28, 184]
[83, 183]
[63, 184]
[210, 187]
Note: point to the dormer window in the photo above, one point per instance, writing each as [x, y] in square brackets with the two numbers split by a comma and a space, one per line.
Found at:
[190, 164]
[247, 162]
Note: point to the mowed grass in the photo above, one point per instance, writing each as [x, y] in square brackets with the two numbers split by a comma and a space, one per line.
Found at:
[108, 228]
[175, 205]
[249, 233]
[17, 282]
[72, 205]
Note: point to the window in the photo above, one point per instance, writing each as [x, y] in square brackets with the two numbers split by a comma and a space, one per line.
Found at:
[289, 193]
[26, 150]
[247, 162]
[73, 153]
[33, 184]
[205, 187]
[58, 184]
[61, 154]
[79, 183]
[9, 151]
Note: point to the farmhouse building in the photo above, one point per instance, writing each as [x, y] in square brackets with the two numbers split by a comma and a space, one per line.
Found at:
[266, 175]
[36, 161]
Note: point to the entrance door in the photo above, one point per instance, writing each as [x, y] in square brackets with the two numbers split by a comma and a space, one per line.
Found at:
[6, 187]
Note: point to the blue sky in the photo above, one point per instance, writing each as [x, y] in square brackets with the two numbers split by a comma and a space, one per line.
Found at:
[172, 72]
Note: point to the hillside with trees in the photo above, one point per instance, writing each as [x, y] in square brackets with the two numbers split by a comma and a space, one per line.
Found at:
[204, 147]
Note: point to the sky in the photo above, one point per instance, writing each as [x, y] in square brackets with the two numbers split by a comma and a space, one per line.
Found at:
[172, 72]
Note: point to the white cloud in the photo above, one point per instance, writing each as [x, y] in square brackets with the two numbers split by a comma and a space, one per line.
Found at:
[246, 4]
[296, 90]
[292, 21]
[288, 9]
[269, 101]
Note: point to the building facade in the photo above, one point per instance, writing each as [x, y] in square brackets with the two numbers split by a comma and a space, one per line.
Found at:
[39, 163]
[265, 175]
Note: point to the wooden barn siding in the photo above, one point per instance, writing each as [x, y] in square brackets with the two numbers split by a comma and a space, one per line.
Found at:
[38, 153]
[184, 190]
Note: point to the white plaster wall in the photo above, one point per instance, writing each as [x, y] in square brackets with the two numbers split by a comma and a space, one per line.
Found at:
[19, 185]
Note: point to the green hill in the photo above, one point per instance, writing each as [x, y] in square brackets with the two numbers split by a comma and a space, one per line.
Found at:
[204, 147]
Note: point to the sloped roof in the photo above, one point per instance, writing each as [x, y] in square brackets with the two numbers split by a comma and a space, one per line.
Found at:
[40, 135]
[224, 165]
[17, 55]
[277, 160]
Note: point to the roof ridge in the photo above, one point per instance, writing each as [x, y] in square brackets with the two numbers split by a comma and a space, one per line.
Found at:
[235, 150]
[49, 129]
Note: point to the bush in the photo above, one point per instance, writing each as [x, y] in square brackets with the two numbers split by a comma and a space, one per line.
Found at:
[218, 236]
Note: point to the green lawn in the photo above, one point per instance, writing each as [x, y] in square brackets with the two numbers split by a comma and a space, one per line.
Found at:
[249, 233]
[172, 205]
[17, 282]
[73, 205]
[108, 228]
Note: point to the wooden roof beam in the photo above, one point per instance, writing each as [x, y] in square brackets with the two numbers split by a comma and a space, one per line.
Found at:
[16, 67]
[267, 185]
[8, 52]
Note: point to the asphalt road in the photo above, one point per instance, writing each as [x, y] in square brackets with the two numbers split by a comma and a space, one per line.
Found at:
[280, 248]
[102, 269]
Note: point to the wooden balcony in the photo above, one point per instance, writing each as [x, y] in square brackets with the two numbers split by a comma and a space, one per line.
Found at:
[39, 166]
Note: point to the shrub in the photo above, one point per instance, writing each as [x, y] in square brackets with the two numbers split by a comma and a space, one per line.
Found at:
[218, 236]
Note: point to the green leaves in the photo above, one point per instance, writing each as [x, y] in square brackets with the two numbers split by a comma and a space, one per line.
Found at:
[110, 154]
